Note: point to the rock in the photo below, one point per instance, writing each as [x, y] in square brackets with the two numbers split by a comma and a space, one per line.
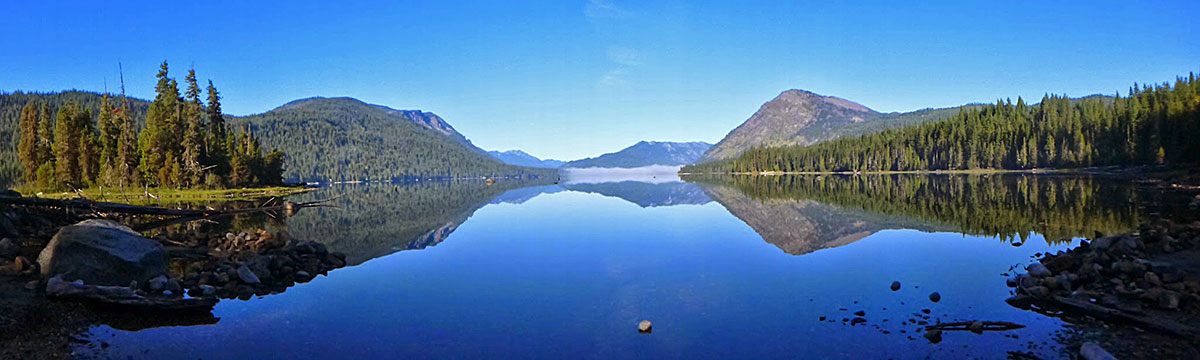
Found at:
[644, 327]
[207, 290]
[8, 248]
[1152, 279]
[1020, 301]
[857, 320]
[1010, 282]
[303, 275]
[1092, 351]
[246, 275]
[158, 283]
[895, 286]
[976, 327]
[935, 297]
[1102, 244]
[1038, 270]
[102, 252]
[1168, 300]
[860, 313]
[174, 287]
[933, 335]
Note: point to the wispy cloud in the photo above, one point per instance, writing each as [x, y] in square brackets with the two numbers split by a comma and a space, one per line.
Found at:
[624, 55]
[614, 77]
[603, 9]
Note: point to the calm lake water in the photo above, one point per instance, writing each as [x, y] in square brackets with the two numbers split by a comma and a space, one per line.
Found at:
[730, 267]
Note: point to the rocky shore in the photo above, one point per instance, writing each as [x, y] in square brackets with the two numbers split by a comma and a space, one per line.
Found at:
[62, 272]
[1137, 293]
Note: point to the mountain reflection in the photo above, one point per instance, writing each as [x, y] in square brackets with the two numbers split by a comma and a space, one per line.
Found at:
[803, 213]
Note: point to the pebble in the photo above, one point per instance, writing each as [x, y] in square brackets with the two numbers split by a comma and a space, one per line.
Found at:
[644, 326]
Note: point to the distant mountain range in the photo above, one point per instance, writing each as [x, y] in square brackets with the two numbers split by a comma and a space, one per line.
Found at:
[324, 138]
[798, 117]
[521, 158]
[646, 153]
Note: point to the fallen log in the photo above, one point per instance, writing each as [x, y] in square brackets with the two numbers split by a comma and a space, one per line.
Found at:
[1156, 324]
[975, 326]
[117, 295]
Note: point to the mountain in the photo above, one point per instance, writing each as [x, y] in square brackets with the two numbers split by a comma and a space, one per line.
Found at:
[798, 117]
[344, 138]
[521, 158]
[646, 153]
[324, 138]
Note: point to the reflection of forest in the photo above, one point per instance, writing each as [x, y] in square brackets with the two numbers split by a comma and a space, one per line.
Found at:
[1009, 206]
[373, 220]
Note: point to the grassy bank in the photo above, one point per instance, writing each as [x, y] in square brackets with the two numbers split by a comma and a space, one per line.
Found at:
[141, 196]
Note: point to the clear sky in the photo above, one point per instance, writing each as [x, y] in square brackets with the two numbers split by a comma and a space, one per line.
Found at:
[569, 79]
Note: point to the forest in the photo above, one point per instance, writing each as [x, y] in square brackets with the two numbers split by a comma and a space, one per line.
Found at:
[1150, 125]
[184, 143]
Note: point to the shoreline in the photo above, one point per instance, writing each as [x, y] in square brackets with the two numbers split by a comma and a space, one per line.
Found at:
[136, 196]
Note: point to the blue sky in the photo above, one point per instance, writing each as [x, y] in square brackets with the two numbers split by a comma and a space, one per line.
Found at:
[569, 79]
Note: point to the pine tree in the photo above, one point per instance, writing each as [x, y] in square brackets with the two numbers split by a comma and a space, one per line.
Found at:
[89, 148]
[110, 134]
[66, 147]
[160, 139]
[216, 142]
[28, 146]
[193, 140]
[45, 153]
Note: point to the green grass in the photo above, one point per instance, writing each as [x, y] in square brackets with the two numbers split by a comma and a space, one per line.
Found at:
[137, 196]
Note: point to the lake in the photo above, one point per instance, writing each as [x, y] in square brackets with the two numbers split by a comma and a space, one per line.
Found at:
[724, 267]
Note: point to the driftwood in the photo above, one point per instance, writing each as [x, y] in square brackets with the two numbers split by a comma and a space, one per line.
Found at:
[966, 326]
[117, 295]
[102, 207]
[1156, 324]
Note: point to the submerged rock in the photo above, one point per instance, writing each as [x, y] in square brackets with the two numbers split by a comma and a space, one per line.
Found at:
[1093, 351]
[895, 286]
[933, 335]
[102, 252]
[935, 297]
[246, 275]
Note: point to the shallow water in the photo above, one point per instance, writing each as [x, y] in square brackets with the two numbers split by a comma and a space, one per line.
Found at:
[724, 268]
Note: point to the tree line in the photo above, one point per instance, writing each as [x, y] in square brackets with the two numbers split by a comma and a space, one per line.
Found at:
[185, 143]
[1151, 125]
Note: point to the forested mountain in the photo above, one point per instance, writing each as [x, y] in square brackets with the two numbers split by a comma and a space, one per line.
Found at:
[1151, 125]
[646, 153]
[347, 139]
[521, 158]
[798, 117]
[324, 139]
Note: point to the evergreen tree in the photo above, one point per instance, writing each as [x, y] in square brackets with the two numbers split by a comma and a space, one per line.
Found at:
[45, 152]
[110, 134]
[160, 139]
[216, 142]
[28, 147]
[89, 149]
[66, 147]
[192, 170]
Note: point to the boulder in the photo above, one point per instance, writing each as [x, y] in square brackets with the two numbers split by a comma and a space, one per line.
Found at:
[9, 248]
[246, 275]
[1038, 270]
[102, 252]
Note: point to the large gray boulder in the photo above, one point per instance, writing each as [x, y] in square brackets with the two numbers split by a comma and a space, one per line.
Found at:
[102, 252]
